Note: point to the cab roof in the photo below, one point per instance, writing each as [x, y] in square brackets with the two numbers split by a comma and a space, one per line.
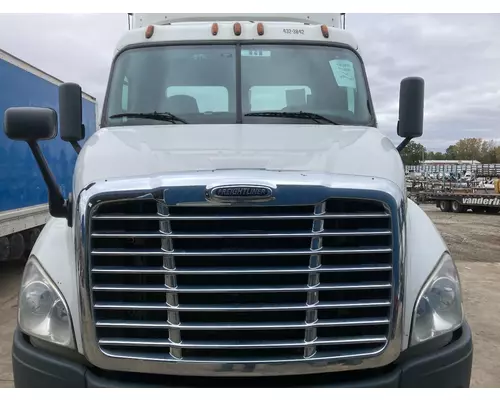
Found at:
[139, 20]
[283, 29]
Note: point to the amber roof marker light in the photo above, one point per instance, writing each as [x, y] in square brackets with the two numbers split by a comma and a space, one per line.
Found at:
[237, 29]
[149, 31]
[215, 29]
[260, 29]
[324, 30]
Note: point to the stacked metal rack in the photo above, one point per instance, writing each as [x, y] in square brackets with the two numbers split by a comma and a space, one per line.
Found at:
[479, 170]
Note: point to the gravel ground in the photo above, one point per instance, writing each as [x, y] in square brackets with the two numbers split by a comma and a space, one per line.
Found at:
[474, 241]
[10, 276]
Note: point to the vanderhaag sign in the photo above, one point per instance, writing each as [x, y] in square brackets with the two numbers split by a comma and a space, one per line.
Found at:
[481, 201]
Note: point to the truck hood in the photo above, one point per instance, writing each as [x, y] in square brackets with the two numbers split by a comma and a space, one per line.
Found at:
[121, 152]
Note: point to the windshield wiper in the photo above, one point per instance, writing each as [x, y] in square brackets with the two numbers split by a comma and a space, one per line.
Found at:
[163, 116]
[286, 114]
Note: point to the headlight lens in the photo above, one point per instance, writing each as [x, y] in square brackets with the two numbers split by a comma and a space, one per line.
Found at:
[42, 310]
[439, 306]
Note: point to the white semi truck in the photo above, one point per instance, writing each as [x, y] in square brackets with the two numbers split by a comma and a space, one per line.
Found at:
[238, 220]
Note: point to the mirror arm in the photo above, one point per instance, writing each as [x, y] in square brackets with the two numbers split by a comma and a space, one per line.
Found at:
[75, 143]
[403, 144]
[76, 146]
[58, 207]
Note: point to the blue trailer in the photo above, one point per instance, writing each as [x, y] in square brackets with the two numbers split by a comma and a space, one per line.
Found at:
[23, 193]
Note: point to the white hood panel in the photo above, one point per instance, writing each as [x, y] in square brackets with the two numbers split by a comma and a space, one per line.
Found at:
[134, 151]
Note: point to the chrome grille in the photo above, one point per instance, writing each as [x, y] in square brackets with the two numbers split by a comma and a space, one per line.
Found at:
[241, 284]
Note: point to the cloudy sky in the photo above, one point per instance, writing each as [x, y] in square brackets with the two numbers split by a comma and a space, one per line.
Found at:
[457, 54]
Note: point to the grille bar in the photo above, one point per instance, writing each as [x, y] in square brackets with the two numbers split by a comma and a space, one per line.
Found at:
[337, 354]
[239, 217]
[228, 308]
[242, 326]
[175, 253]
[322, 233]
[239, 271]
[238, 345]
[242, 289]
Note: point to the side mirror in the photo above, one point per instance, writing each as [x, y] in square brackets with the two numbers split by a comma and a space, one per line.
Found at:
[70, 113]
[30, 124]
[411, 108]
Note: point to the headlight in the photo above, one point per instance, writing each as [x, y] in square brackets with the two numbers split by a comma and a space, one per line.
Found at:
[42, 310]
[439, 306]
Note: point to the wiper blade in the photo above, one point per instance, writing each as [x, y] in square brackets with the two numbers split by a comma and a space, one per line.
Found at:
[163, 116]
[287, 114]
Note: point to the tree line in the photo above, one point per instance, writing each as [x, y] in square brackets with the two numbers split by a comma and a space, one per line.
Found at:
[484, 151]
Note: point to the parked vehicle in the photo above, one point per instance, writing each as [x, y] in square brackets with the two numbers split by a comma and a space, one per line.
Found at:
[23, 194]
[237, 220]
[459, 201]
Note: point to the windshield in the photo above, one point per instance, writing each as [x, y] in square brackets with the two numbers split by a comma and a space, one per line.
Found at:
[227, 84]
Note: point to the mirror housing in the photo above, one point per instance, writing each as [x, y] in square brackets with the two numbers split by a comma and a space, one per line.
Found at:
[30, 124]
[70, 113]
[411, 108]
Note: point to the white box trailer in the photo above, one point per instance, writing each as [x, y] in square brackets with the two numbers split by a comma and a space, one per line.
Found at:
[23, 196]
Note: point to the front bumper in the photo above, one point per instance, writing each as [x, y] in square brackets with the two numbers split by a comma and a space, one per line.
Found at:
[448, 366]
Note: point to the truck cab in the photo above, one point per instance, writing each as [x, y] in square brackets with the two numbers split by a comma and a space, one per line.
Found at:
[237, 220]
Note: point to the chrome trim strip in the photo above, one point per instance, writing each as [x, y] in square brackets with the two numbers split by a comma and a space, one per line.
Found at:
[230, 367]
[242, 270]
[322, 233]
[257, 307]
[183, 188]
[180, 253]
[172, 297]
[311, 332]
[241, 326]
[239, 217]
[229, 345]
[241, 289]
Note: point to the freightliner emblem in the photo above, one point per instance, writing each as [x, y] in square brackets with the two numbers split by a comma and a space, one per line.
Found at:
[240, 193]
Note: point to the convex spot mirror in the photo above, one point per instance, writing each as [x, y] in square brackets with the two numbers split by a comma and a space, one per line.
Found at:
[411, 107]
[70, 112]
